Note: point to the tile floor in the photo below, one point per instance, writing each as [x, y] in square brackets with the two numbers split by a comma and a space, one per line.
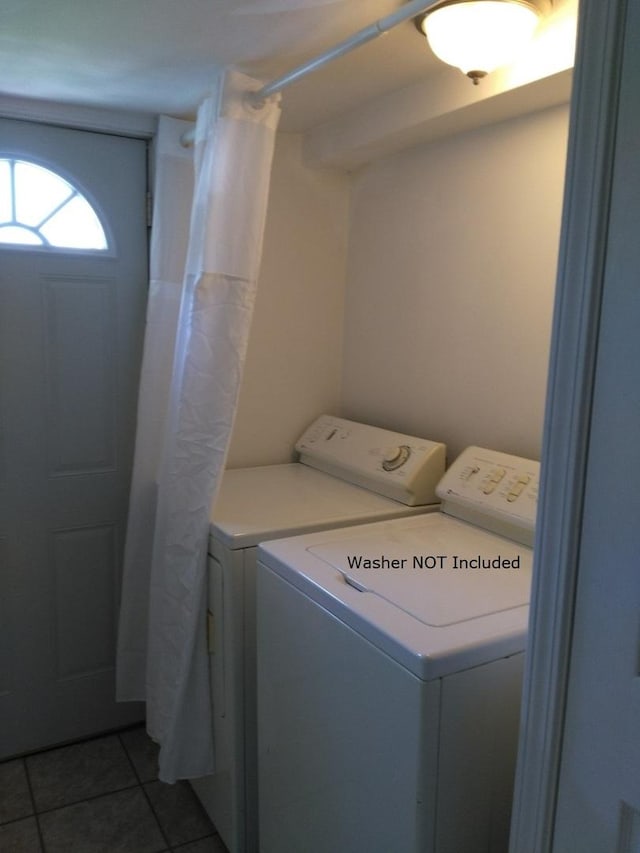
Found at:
[100, 796]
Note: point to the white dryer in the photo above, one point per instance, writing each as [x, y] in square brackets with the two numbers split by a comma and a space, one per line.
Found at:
[347, 473]
[389, 672]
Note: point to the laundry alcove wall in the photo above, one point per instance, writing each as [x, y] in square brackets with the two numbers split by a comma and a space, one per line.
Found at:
[451, 275]
[294, 360]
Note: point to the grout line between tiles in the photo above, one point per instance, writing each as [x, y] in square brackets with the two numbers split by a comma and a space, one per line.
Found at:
[88, 799]
[33, 805]
[156, 818]
[146, 795]
[129, 759]
[170, 848]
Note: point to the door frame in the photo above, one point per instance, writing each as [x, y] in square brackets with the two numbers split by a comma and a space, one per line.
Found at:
[78, 117]
[576, 327]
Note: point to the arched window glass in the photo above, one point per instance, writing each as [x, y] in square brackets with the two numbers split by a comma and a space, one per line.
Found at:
[40, 208]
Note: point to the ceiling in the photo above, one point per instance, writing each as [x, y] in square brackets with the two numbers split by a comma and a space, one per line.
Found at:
[160, 56]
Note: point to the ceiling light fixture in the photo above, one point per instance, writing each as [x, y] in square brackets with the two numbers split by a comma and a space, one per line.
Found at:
[479, 36]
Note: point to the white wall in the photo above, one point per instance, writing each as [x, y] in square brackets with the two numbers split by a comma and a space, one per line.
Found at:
[294, 361]
[451, 274]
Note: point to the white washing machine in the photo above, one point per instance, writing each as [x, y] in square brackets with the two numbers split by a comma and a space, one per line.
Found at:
[389, 672]
[347, 473]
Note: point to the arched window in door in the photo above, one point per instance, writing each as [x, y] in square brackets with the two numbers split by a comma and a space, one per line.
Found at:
[40, 208]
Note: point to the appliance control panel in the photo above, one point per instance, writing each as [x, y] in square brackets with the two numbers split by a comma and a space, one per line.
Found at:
[398, 466]
[494, 490]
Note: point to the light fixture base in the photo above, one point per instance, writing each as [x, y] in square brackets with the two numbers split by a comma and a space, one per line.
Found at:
[476, 76]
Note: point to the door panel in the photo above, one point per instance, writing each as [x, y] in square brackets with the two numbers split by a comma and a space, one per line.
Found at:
[80, 374]
[71, 327]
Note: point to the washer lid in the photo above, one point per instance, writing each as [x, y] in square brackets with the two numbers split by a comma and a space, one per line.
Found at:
[466, 573]
[445, 621]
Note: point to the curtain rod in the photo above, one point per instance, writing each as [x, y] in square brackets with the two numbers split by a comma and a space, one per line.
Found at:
[378, 28]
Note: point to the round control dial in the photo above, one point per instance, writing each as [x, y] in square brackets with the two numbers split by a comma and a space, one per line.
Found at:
[396, 457]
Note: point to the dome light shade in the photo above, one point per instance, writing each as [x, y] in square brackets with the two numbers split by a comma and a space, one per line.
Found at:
[479, 36]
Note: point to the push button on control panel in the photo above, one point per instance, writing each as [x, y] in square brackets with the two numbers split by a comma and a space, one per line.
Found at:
[493, 478]
[469, 471]
[518, 487]
[515, 492]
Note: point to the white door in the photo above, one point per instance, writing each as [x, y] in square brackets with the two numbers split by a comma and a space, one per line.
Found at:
[598, 807]
[71, 325]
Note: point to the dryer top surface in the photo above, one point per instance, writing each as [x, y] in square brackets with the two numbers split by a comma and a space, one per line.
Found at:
[273, 501]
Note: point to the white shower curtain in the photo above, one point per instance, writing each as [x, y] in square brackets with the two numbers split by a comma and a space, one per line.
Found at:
[172, 196]
[162, 655]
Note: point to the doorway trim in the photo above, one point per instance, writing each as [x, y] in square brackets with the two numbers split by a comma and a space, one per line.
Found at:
[79, 117]
[583, 246]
